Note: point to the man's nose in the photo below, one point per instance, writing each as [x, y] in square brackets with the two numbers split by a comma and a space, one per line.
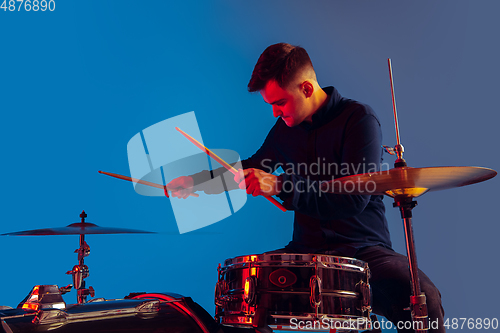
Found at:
[276, 111]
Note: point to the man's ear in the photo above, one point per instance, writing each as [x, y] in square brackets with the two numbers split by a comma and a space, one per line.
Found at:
[307, 89]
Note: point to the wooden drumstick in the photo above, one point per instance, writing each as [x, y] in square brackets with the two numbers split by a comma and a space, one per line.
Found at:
[224, 164]
[143, 182]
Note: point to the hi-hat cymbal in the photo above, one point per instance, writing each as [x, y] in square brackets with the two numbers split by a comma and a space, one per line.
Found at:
[408, 182]
[80, 228]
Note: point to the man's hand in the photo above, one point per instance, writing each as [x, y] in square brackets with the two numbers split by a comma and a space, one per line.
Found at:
[181, 187]
[258, 182]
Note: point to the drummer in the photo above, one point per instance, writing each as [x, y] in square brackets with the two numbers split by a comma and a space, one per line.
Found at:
[320, 136]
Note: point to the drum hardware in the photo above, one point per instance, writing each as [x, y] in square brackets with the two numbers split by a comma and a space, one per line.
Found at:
[403, 184]
[54, 318]
[218, 290]
[315, 289]
[43, 297]
[44, 309]
[67, 289]
[315, 293]
[282, 278]
[220, 296]
[81, 271]
[249, 293]
[221, 290]
[363, 289]
[100, 299]
[249, 289]
[226, 299]
[148, 313]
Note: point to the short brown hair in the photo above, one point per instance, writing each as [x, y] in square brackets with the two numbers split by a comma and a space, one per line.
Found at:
[278, 62]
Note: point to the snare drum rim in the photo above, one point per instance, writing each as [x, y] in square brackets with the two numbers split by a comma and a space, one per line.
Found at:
[295, 259]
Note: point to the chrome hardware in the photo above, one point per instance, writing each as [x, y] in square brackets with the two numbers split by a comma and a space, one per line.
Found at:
[250, 290]
[315, 285]
[394, 151]
[79, 274]
[64, 290]
[419, 312]
[43, 297]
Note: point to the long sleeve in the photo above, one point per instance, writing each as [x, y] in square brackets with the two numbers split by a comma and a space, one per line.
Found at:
[359, 152]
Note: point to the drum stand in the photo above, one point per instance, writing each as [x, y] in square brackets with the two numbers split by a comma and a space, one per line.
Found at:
[81, 271]
[405, 202]
[418, 304]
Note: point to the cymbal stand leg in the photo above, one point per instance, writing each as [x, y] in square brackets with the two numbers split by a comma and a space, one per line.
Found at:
[418, 303]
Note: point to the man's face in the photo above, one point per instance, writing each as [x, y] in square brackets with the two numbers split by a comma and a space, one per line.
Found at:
[290, 103]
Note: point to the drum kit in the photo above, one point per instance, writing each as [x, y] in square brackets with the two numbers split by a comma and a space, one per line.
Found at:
[260, 292]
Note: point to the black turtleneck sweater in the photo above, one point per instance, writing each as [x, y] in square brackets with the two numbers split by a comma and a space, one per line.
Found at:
[343, 139]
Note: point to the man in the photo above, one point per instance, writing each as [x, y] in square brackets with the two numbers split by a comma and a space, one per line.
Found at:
[320, 136]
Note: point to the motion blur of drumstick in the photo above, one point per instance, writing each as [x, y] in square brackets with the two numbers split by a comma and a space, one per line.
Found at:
[143, 182]
[224, 163]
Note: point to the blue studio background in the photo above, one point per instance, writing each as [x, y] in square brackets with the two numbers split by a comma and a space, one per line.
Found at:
[77, 83]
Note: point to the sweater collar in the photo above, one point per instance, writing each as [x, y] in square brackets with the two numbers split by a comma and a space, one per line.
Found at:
[327, 112]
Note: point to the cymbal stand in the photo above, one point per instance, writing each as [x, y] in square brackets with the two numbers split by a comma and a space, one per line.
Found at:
[418, 305]
[81, 271]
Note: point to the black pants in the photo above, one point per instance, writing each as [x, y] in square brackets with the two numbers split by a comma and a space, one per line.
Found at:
[391, 288]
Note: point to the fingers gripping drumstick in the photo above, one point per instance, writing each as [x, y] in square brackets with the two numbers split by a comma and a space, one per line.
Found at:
[224, 163]
[143, 182]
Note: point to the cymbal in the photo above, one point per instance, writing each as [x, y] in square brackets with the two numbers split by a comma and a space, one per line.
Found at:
[407, 181]
[80, 228]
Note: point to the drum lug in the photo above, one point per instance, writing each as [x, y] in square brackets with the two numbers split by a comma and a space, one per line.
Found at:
[367, 270]
[363, 288]
[315, 286]
[250, 290]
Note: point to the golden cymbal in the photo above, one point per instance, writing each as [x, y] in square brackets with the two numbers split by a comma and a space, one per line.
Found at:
[407, 181]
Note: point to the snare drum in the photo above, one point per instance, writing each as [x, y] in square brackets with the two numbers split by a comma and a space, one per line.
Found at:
[294, 291]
